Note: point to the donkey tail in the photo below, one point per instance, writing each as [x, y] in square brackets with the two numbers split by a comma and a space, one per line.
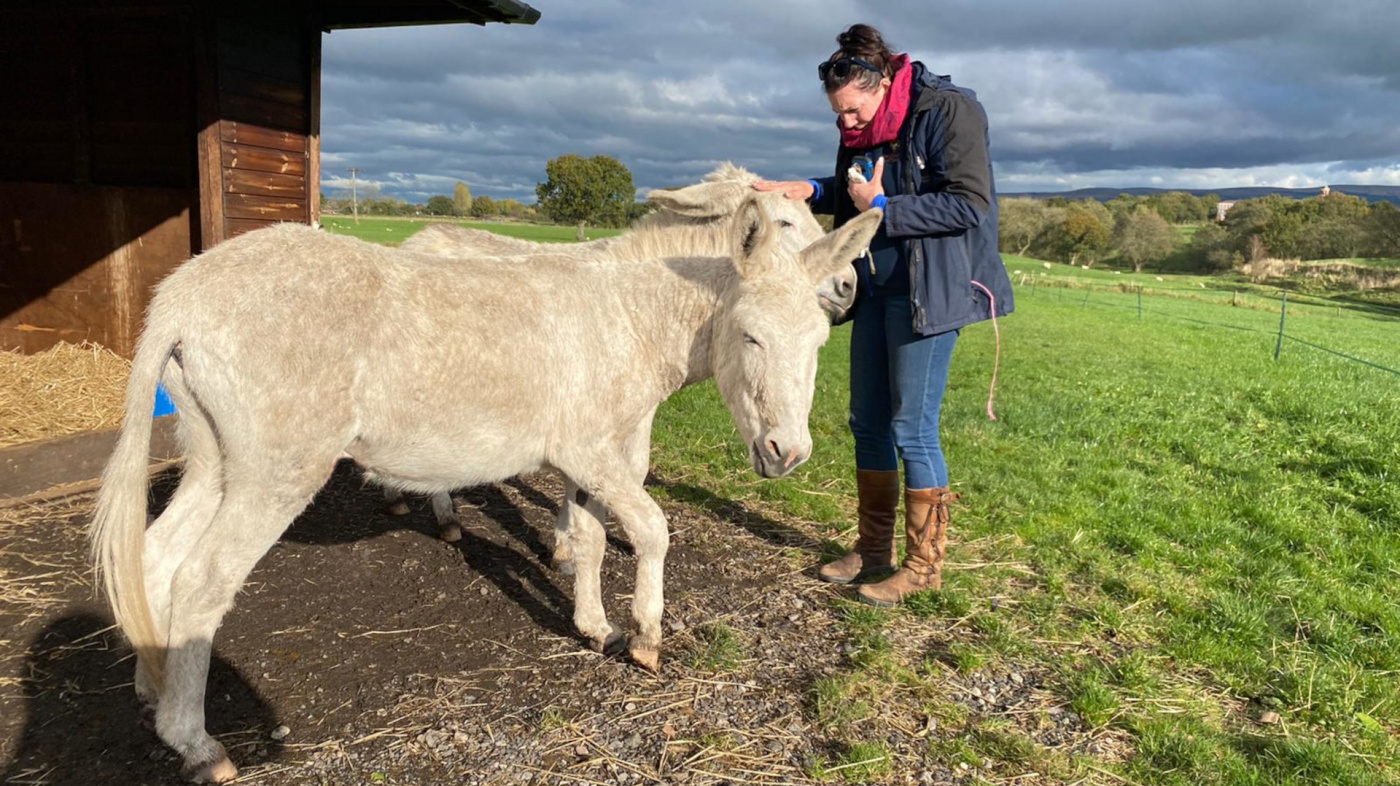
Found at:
[118, 532]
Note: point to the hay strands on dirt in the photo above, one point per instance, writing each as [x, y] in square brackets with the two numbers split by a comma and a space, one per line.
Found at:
[67, 389]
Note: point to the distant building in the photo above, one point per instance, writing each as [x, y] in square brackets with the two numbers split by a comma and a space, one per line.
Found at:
[1221, 208]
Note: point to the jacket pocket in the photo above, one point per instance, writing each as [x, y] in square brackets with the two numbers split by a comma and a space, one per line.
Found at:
[947, 281]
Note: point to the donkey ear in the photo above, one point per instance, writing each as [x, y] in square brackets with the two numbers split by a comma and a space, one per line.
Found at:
[828, 257]
[753, 233]
[704, 200]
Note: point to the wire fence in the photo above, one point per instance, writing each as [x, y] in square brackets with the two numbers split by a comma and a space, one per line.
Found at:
[1280, 302]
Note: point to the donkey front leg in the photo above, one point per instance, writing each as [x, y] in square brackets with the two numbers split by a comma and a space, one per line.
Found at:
[449, 526]
[645, 524]
[394, 501]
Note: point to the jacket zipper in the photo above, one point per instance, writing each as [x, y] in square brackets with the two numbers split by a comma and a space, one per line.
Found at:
[915, 252]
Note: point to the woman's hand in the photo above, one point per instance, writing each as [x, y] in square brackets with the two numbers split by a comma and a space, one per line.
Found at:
[792, 189]
[864, 193]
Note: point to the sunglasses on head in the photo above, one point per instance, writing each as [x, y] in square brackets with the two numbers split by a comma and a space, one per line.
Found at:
[841, 68]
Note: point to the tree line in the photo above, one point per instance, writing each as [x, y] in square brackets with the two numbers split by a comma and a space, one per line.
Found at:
[1336, 226]
[370, 201]
[595, 191]
[1142, 231]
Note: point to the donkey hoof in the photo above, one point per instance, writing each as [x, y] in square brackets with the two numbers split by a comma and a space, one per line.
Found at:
[614, 644]
[564, 566]
[450, 533]
[148, 717]
[399, 508]
[648, 659]
[221, 770]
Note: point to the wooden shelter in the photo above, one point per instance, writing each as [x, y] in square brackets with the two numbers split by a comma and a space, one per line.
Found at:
[134, 135]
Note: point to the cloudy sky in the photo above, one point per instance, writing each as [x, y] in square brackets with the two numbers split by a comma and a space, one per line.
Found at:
[1176, 94]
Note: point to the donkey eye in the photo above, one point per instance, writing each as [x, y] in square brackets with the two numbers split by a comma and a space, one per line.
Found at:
[753, 341]
[785, 224]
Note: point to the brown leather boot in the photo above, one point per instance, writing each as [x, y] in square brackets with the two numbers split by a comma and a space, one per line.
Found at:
[925, 540]
[874, 553]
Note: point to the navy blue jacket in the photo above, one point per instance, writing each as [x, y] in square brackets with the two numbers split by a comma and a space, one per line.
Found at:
[944, 208]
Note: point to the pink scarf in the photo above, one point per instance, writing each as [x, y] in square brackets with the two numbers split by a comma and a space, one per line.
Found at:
[884, 127]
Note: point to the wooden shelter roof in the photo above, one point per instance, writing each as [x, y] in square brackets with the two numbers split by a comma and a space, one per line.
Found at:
[346, 14]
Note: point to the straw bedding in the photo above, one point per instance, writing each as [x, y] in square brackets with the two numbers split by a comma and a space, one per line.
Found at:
[68, 389]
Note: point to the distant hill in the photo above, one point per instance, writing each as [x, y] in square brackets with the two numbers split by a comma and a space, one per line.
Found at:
[1369, 193]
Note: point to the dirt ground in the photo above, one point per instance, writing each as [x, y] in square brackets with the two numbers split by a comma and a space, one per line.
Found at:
[365, 650]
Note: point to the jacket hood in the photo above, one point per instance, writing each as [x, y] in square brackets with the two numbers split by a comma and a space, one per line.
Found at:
[929, 84]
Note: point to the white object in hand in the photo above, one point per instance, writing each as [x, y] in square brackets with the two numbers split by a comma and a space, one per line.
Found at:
[855, 175]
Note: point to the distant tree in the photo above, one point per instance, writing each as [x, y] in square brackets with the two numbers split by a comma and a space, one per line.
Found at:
[586, 191]
[510, 208]
[461, 200]
[439, 206]
[1122, 205]
[383, 206]
[637, 210]
[483, 206]
[1246, 221]
[1176, 207]
[1081, 236]
[1085, 234]
[1144, 237]
[1336, 238]
[1383, 231]
[1283, 235]
[1021, 221]
[1212, 250]
[1209, 202]
[1336, 227]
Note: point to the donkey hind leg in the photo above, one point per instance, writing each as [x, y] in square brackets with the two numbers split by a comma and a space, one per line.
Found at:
[394, 501]
[449, 526]
[562, 559]
[256, 509]
[172, 536]
[581, 534]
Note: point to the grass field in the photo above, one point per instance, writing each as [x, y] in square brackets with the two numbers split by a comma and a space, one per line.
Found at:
[392, 231]
[1181, 532]
[1231, 289]
[1194, 546]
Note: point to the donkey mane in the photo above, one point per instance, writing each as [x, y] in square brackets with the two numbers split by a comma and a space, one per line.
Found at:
[658, 234]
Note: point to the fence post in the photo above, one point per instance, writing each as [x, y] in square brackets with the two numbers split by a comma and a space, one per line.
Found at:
[1234, 297]
[1282, 315]
[1139, 302]
[1034, 280]
[1087, 290]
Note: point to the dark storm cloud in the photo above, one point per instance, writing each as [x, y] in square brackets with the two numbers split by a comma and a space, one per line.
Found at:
[1075, 90]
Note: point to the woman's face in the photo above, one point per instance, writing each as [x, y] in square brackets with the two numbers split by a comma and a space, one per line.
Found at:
[854, 107]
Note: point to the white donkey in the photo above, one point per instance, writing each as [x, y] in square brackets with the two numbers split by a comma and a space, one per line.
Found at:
[708, 206]
[294, 348]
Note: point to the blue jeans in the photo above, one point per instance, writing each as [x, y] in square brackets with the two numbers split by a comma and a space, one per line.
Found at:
[897, 383]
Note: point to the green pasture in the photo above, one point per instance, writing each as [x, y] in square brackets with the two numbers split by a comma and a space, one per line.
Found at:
[1233, 290]
[393, 231]
[1182, 533]
[1193, 546]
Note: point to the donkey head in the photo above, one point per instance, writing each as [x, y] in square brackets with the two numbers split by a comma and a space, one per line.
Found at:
[719, 198]
[768, 329]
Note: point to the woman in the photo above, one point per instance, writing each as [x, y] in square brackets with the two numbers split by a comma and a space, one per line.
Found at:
[932, 269]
